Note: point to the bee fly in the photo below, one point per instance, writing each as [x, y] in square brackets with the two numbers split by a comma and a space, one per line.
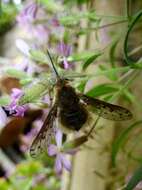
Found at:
[71, 108]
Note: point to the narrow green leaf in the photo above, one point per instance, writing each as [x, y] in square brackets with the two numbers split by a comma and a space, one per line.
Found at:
[129, 96]
[16, 73]
[135, 179]
[71, 20]
[28, 184]
[74, 143]
[25, 81]
[112, 75]
[111, 71]
[112, 52]
[137, 65]
[91, 60]
[101, 89]
[121, 140]
[83, 56]
[52, 5]
[39, 56]
[33, 93]
[4, 184]
[82, 85]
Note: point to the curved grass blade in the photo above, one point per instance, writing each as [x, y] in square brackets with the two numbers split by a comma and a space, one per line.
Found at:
[131, 26]
[90, 60]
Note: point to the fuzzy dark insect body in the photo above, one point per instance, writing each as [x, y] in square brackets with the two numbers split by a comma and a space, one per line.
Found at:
[72, 113]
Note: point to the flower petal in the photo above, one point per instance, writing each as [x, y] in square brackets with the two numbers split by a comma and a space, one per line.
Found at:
[16, 93]
[66, 64]
[58, 164]
[64, 49]
[58, 138]
[66, 163]
[52, 150]
[23, 46]
[20, 110]
[3, 118]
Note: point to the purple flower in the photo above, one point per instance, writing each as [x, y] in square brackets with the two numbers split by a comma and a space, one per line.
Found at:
[14, 108]
[54, 22]
[28, 14]
[64, 50]
[61, 161]
[27, 18]
[41, 32]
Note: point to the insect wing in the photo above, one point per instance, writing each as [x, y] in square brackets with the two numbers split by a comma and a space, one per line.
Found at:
[106, 110]
[44, 136]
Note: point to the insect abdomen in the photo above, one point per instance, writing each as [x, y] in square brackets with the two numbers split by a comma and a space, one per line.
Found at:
[74, 118]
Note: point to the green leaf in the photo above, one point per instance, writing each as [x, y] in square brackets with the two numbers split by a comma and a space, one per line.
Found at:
[135, 179]
[112, 52]
[119, 142]
[4, 100]
[137, 65]
[83, 56]
[25, 81]
[112, 75]
[70, 20]
[129, 96]
[4, 185]
[74, 19]
[39, 56]
[111, 71]
[52, 5]
[82, 85]
[72, 144]
[40, 187]
[101, 89]
[90, 60]
[33, 93]
[16, 73]
[7, 17]
[29, 168]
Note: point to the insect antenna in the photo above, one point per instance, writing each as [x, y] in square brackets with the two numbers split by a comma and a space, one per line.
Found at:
[52, 63]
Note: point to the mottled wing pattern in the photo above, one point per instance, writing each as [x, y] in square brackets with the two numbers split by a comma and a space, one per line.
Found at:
[44, 136]
[106, 110]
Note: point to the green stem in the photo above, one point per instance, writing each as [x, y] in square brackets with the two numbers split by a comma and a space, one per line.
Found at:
[131, 79]
[108, 25]
[128, 9]
[135, 50]
[0, 8]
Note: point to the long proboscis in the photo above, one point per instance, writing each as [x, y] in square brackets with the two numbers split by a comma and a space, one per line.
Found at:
[52, 63]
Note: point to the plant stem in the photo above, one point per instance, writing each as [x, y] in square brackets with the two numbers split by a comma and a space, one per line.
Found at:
[108, 25]
[134, 74]
[128, 8]
[0, 8]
